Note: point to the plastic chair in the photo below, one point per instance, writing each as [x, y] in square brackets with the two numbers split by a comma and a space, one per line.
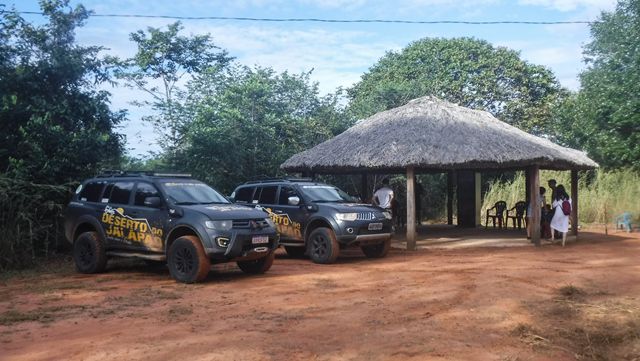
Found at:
[498, 214]
[518, 216]
[624, 221]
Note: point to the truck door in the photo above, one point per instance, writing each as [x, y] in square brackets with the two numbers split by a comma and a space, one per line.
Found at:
[289, 217]
[148, 217]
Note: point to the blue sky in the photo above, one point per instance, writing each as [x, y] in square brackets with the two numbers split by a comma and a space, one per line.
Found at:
[338, 53]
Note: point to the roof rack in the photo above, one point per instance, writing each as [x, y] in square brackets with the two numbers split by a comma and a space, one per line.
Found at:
[137, 173]
[270, 180]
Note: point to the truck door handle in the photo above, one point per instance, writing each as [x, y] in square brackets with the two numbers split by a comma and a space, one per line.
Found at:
[278, 211]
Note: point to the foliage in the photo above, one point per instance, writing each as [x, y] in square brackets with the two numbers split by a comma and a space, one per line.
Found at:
[30, 221]
[466, 71]
[56, 125]
[163, 60]
[604, 117]
[248, 121]
[602, 194]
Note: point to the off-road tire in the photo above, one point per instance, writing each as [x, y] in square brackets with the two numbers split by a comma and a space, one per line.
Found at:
[295, 252]
[187, 261]
[323, 246]
[377, 250]
[89, 253]
[257, 266]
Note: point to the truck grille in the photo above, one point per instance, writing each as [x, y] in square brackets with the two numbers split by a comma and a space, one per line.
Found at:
[250, 223]
[366, 216]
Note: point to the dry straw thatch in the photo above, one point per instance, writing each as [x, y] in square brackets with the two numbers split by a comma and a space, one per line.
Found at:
[431, 134]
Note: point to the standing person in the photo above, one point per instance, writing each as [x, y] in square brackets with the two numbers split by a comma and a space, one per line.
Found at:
[552, 184]
[383, 196]
[541, 202]
[560, 220]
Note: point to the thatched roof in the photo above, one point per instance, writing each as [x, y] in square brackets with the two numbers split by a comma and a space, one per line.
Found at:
[432, 134]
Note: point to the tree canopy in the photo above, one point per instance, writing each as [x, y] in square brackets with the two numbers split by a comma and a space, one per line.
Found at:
[56, 125]
[247, 121]
[466, 71]
[164, 59]
[604, 116]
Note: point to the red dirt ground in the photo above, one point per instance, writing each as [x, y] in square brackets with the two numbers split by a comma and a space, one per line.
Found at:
[522, 303]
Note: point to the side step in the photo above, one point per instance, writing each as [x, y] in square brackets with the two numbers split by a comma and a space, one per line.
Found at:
[153, 257]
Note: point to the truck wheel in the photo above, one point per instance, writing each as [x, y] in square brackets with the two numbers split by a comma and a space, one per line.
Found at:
[89, 253]
[257, 266]
[377, 250]
[295, 252]
[323, 245]
[187, 261]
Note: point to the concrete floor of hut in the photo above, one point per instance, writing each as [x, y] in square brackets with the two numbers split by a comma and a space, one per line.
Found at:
[434, 236]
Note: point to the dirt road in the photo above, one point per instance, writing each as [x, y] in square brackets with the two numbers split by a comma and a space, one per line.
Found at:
[551, 303]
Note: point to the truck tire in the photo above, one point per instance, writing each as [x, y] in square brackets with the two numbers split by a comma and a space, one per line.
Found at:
[89, 254]
[323, 246]
[295, 252]
[257, 266]
[377, 250]
[187, 261]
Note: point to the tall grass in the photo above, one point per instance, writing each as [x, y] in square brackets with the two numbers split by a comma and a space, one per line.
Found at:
[30, 221]
[602, 195]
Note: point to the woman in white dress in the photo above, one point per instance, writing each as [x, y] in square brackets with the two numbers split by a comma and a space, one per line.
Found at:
[560, 221]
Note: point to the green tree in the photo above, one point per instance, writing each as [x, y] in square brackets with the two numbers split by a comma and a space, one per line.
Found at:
[466, 71]
[604, 117]
[248, 121]
[56, 125]
[165, 59]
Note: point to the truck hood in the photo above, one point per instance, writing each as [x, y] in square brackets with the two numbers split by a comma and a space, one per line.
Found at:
[351, 207]
[227, 211]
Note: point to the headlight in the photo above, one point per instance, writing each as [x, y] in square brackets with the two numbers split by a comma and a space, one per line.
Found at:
[387, 215]
[347, 216]
[270, 222]
[219, 225]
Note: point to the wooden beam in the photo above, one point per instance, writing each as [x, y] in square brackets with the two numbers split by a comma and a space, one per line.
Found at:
[534, 196]
[411, 210]
[574, 202]
[450, 175]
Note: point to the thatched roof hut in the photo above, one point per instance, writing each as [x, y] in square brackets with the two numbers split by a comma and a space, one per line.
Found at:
[430, 134]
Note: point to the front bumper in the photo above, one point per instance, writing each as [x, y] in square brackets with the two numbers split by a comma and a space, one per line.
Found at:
[241, 247]
[358, 233]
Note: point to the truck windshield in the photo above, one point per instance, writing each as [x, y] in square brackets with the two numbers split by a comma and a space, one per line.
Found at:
[190, 192]
[326, 193]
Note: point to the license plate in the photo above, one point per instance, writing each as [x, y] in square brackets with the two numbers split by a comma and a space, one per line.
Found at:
[260, 239]
[375, 226]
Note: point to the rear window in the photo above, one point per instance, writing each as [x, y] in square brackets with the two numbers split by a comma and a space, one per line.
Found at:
[91, 192]
[121, 192]
[244, 195]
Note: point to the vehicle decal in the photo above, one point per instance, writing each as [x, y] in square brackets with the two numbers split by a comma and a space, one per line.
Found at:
[284, 225]
[123, 228]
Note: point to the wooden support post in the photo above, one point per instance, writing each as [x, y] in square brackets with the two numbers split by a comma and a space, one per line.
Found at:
[527, 185]
[364, 188]
[450, 197]
[411, 210]
[534, 196]
[574, 203]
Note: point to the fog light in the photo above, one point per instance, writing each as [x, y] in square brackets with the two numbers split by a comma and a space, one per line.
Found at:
[350, 230]
[222, 242]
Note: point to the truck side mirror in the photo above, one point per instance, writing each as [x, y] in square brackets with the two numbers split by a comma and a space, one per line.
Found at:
[153, 202]
[294, 201]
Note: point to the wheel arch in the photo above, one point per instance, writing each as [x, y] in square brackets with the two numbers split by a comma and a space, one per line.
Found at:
[179, 231]
[317, 223]
[87, 224]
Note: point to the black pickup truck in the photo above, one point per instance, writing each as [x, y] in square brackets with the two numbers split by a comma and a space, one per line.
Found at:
[168, 218]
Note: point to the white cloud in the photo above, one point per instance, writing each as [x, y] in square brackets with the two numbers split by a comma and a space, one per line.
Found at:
[571, 5]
